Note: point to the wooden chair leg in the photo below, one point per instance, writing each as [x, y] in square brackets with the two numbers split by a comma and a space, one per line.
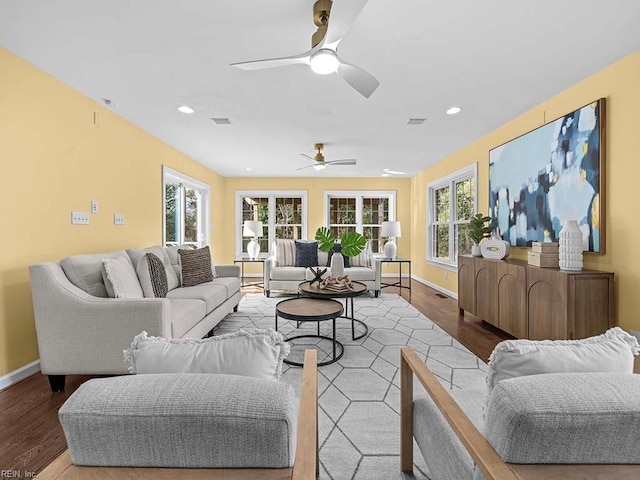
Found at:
[406, 417]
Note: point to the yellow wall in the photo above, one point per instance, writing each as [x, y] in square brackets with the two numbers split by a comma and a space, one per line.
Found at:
[618, 83]
[315, 188]
[53, 160]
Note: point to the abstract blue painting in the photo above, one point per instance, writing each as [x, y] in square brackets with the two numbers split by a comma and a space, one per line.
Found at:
[548, 176]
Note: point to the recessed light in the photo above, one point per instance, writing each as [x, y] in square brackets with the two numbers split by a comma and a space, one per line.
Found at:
[185, 109]
[393, 172]
[108, 102]
[221, 121]
[454, 110]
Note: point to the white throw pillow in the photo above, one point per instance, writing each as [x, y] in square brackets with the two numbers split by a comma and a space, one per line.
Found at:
[120, 278]
[253, 353]
[613, 351]
[363, 258]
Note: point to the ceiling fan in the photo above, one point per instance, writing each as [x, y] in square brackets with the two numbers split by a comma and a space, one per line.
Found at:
[323, 57]
[320, 163]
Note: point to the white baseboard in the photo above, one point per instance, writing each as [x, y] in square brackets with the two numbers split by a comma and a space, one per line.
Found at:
[19, 374]
[448, 293]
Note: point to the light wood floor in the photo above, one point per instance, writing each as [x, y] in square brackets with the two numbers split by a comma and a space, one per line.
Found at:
[32, 437]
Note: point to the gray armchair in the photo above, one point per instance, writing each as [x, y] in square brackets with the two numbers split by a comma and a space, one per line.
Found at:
[560, 425]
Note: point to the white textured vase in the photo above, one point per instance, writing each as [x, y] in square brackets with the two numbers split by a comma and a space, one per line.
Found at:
[337, 265]
[570, 249]
[475, 250]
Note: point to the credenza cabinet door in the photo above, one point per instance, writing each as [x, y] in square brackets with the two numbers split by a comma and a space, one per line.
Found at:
[511, 304]
[486, 291]
[466, 285]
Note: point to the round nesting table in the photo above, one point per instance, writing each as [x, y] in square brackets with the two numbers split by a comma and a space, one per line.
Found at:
[312, 310]
[313, 291]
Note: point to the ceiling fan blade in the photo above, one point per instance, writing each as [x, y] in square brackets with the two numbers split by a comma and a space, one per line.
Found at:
[344, 161]
[343, 14]
[306, 166]
[308, 156]
[360, 79]
[303, 58]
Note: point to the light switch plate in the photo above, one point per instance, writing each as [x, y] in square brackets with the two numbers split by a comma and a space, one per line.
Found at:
[118, 219]
[94, 206]
[80, 218]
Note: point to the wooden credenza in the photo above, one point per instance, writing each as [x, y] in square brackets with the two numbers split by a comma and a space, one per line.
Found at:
[533, 302]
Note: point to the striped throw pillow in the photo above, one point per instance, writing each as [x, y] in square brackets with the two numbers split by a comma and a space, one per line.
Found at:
[285, 253]
[195, 266]
[363, 259]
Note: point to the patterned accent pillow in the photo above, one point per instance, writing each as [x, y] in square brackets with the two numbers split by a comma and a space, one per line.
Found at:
[195, 266]
[306, 254]
[337, 248]
[158, 276]
[364, 258]
[285, 253]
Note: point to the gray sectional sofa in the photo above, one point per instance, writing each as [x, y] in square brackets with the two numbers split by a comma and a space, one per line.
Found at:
[82, 331]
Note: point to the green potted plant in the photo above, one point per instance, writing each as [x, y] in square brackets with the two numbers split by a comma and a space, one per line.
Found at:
[351, 244]
[478, 231]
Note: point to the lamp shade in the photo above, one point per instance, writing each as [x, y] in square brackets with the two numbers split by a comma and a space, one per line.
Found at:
[252, 228]
[391, 229]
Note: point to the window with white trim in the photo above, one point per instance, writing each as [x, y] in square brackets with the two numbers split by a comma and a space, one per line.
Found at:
[283, 215]
[362, 212]
[186, 209]
[451, 202]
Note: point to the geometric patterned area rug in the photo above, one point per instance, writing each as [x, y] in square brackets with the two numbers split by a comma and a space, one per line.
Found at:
[359, 395]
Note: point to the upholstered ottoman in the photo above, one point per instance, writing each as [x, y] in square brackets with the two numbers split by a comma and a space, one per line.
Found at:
[182, 420]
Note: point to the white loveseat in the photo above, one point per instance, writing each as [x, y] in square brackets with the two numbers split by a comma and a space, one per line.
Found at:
[82, 331]
[280, 272]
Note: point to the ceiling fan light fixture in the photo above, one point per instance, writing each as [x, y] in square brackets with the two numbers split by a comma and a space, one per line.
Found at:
[324, 61]
[319, 167]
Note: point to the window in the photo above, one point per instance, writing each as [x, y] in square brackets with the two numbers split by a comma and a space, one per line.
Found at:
[451, 201]
[186, 209]
[362, 212]
[283, 215]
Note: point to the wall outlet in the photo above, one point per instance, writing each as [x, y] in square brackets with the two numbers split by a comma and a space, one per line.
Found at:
[94, 206]
[118, 219]
[80, 218]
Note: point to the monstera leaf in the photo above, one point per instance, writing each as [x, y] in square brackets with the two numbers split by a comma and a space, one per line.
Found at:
[352, 243]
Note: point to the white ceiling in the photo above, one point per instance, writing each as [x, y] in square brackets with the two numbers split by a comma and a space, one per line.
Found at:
[495, 58]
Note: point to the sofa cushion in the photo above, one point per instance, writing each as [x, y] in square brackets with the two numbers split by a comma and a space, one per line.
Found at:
[363, 259]
[306, 254]
[185, 314]
[85, 271]
[136, 255]
[120, 278]
[613, 351]
[195, 266]
[252, 352]
[360, 274]
[566, 418]
[175, 420]
[212, 295]
[232, 284]
[288, 273]
[285, 252]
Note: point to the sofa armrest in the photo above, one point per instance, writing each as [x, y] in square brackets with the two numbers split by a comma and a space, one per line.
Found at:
[80, 333]
[269, 263]
[228, 270]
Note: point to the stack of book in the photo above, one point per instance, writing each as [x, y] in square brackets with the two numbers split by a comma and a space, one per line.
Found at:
[337, 287]
[544, 254]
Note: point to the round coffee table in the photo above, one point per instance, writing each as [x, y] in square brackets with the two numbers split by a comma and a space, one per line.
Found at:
[313, 291]
[312, 310]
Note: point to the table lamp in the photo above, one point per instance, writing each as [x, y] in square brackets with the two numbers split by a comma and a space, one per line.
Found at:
[252, 228]
[391, 230]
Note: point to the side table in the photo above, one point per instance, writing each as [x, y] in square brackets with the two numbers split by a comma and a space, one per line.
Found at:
[398, 284]
[242, 261]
